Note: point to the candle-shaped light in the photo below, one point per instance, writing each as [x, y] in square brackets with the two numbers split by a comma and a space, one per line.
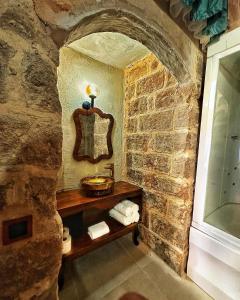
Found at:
[92, 91]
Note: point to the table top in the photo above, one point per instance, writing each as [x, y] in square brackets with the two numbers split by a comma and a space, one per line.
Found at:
[67, 200]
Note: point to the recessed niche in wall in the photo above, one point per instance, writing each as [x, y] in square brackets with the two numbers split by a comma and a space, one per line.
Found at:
[17, 229]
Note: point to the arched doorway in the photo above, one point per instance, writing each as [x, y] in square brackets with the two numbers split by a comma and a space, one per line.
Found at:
[30, 108]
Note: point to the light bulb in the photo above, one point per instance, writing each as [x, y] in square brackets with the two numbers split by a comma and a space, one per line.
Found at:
[92, 90]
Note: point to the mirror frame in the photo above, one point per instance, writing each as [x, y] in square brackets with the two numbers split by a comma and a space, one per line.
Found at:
[78, 128]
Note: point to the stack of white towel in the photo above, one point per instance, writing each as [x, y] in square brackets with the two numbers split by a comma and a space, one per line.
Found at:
[125, 212]
[67, 241]
[97, 230]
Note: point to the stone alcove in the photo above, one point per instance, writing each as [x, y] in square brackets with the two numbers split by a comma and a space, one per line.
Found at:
[30, 119]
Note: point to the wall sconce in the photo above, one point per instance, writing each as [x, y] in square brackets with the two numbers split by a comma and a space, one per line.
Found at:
[92, 91]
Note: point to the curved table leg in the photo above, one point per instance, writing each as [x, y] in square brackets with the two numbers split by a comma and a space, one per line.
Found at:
[61, 277]
[135, 236]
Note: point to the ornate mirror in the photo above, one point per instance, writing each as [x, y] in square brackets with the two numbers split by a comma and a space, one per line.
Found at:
[93, 135]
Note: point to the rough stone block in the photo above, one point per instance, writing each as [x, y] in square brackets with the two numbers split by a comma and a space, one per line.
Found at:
[16, 20]
[142, 105]
[145, 219]
[135, 176]
[184, 141]
[150, 84]
[160, 121]
[40, 80]
[151, 103]
[174, 187]
[180, 212]
[28, 264]
[40, 191]
[148, 237]
[6, 53]
[156, 65]
[188, 93]
[132, 125]
[164, 143]
[43, 147]
[154, 82]
[165, 99]
[137, 142]
[134, 160]
[168, 185]
[234, 14]
[14, 130]
[6, 192]
[137, 106]
[171, 256]
[129, 92]
[186, 117]
[183, 167]
[150, 181]
[140, 69]
[158, 163]
[157, 201]
[178, 237]
[174, 258]
[3, 196]
[133, 108]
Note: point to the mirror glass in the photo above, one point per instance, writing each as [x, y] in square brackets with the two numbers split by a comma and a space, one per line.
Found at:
[93, 135]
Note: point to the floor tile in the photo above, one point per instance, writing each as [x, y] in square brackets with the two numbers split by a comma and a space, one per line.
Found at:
[171, 284]
[139, 283]
[102, 270]
[70, 290]
[140, 254]
[120, 267]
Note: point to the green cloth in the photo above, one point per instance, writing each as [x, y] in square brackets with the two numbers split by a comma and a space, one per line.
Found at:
[214, 11]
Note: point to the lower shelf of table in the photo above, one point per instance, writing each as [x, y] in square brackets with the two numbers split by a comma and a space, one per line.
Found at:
[85, 244]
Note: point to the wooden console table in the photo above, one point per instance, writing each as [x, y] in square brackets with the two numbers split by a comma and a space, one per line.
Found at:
[78, 212]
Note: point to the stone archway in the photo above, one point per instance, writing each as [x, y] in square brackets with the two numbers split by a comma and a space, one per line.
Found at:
[30, 121]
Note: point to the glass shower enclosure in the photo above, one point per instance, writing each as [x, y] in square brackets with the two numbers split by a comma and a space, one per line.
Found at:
[214, 242]
[222, 206]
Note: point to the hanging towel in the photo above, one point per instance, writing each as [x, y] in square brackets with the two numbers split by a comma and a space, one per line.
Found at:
[97, 230]
[127, 208]
[215, 12]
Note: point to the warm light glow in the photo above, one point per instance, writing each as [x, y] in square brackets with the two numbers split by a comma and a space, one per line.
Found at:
[92, 89]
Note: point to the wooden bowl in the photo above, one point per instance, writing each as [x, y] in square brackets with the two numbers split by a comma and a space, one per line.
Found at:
[97, 185]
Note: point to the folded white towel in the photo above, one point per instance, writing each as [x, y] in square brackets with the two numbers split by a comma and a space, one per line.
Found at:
[97, 230]
[136, 217]
[120, 217]
[124, 219]
[127, 208]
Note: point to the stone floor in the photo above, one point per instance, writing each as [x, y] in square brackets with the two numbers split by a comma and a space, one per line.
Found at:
[120, 267]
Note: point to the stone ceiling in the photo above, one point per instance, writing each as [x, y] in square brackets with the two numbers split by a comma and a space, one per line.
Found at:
[111, 48]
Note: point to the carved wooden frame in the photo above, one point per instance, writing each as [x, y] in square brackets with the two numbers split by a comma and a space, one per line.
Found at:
[76, 119]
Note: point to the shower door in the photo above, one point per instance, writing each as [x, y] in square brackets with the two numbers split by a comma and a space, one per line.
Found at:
[214, 242]
[218, 174]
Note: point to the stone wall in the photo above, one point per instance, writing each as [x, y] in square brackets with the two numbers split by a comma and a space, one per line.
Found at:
[233, 14]
[30, 152]
[160, 135]
[31, 138]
